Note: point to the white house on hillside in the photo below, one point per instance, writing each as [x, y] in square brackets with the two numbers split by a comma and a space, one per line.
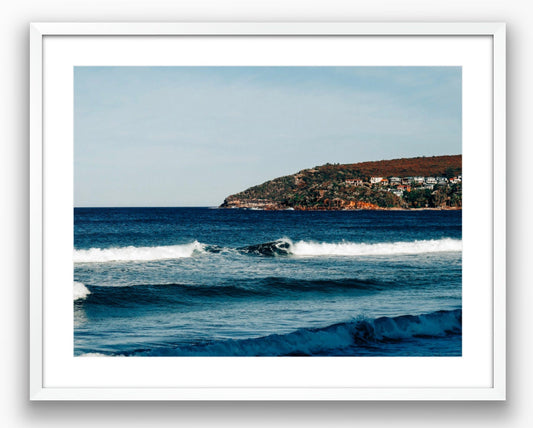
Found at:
[354, 182]
[395, 180]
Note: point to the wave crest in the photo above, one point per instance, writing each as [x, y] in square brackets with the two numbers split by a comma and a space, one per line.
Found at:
[319, 341]
[99, 255]
[286, 246]
[80, 291]
[303, 248]
[281, 247]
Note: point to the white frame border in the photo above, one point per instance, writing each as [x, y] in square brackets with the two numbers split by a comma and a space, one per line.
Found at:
[40, 30]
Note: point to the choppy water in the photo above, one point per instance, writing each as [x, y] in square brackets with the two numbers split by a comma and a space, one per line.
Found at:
[211, 282]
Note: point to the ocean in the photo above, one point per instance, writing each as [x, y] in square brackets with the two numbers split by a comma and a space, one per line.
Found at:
[232, 282]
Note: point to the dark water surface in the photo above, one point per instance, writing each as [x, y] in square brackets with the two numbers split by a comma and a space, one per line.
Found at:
[200, 281]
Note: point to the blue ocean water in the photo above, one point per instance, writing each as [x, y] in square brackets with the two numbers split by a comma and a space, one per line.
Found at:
[229, 282]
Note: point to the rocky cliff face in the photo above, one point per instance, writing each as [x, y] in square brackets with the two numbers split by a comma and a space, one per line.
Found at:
[236, 202]
[350, 187]
[334, 204]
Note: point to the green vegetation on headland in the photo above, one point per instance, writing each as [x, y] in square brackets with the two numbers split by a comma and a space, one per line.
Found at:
[422, 182]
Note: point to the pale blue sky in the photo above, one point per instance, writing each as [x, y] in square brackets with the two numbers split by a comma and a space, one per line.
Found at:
[190, 136]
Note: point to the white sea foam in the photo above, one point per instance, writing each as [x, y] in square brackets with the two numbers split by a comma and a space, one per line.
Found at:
[99, 255]
[433, 324]
[80, 291]
[93, 354]
[310, 249]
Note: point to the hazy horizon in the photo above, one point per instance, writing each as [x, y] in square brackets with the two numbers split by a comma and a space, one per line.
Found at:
[191, 136]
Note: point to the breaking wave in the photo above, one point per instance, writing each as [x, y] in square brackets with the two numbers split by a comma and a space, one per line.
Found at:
[286, 246]
[281, 247]
[99, 255]
[320, 341]
[80, 291]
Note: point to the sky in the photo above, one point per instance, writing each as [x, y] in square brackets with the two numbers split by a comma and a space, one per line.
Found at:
[190, 136]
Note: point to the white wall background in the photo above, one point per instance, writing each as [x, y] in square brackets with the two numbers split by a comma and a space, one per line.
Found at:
[17, 411]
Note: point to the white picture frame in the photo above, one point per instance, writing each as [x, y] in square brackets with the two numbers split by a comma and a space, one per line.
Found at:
[48, 356]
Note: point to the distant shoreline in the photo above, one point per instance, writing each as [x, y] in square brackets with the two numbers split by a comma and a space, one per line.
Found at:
[333, 209]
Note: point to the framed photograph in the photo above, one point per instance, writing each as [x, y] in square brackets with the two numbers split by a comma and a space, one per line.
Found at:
[328, 198]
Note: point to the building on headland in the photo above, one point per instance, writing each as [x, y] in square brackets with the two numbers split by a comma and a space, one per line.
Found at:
[394, 181]
[354, 182]
[400, 185]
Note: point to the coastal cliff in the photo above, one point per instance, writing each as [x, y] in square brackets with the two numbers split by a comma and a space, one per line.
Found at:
[421, 182]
